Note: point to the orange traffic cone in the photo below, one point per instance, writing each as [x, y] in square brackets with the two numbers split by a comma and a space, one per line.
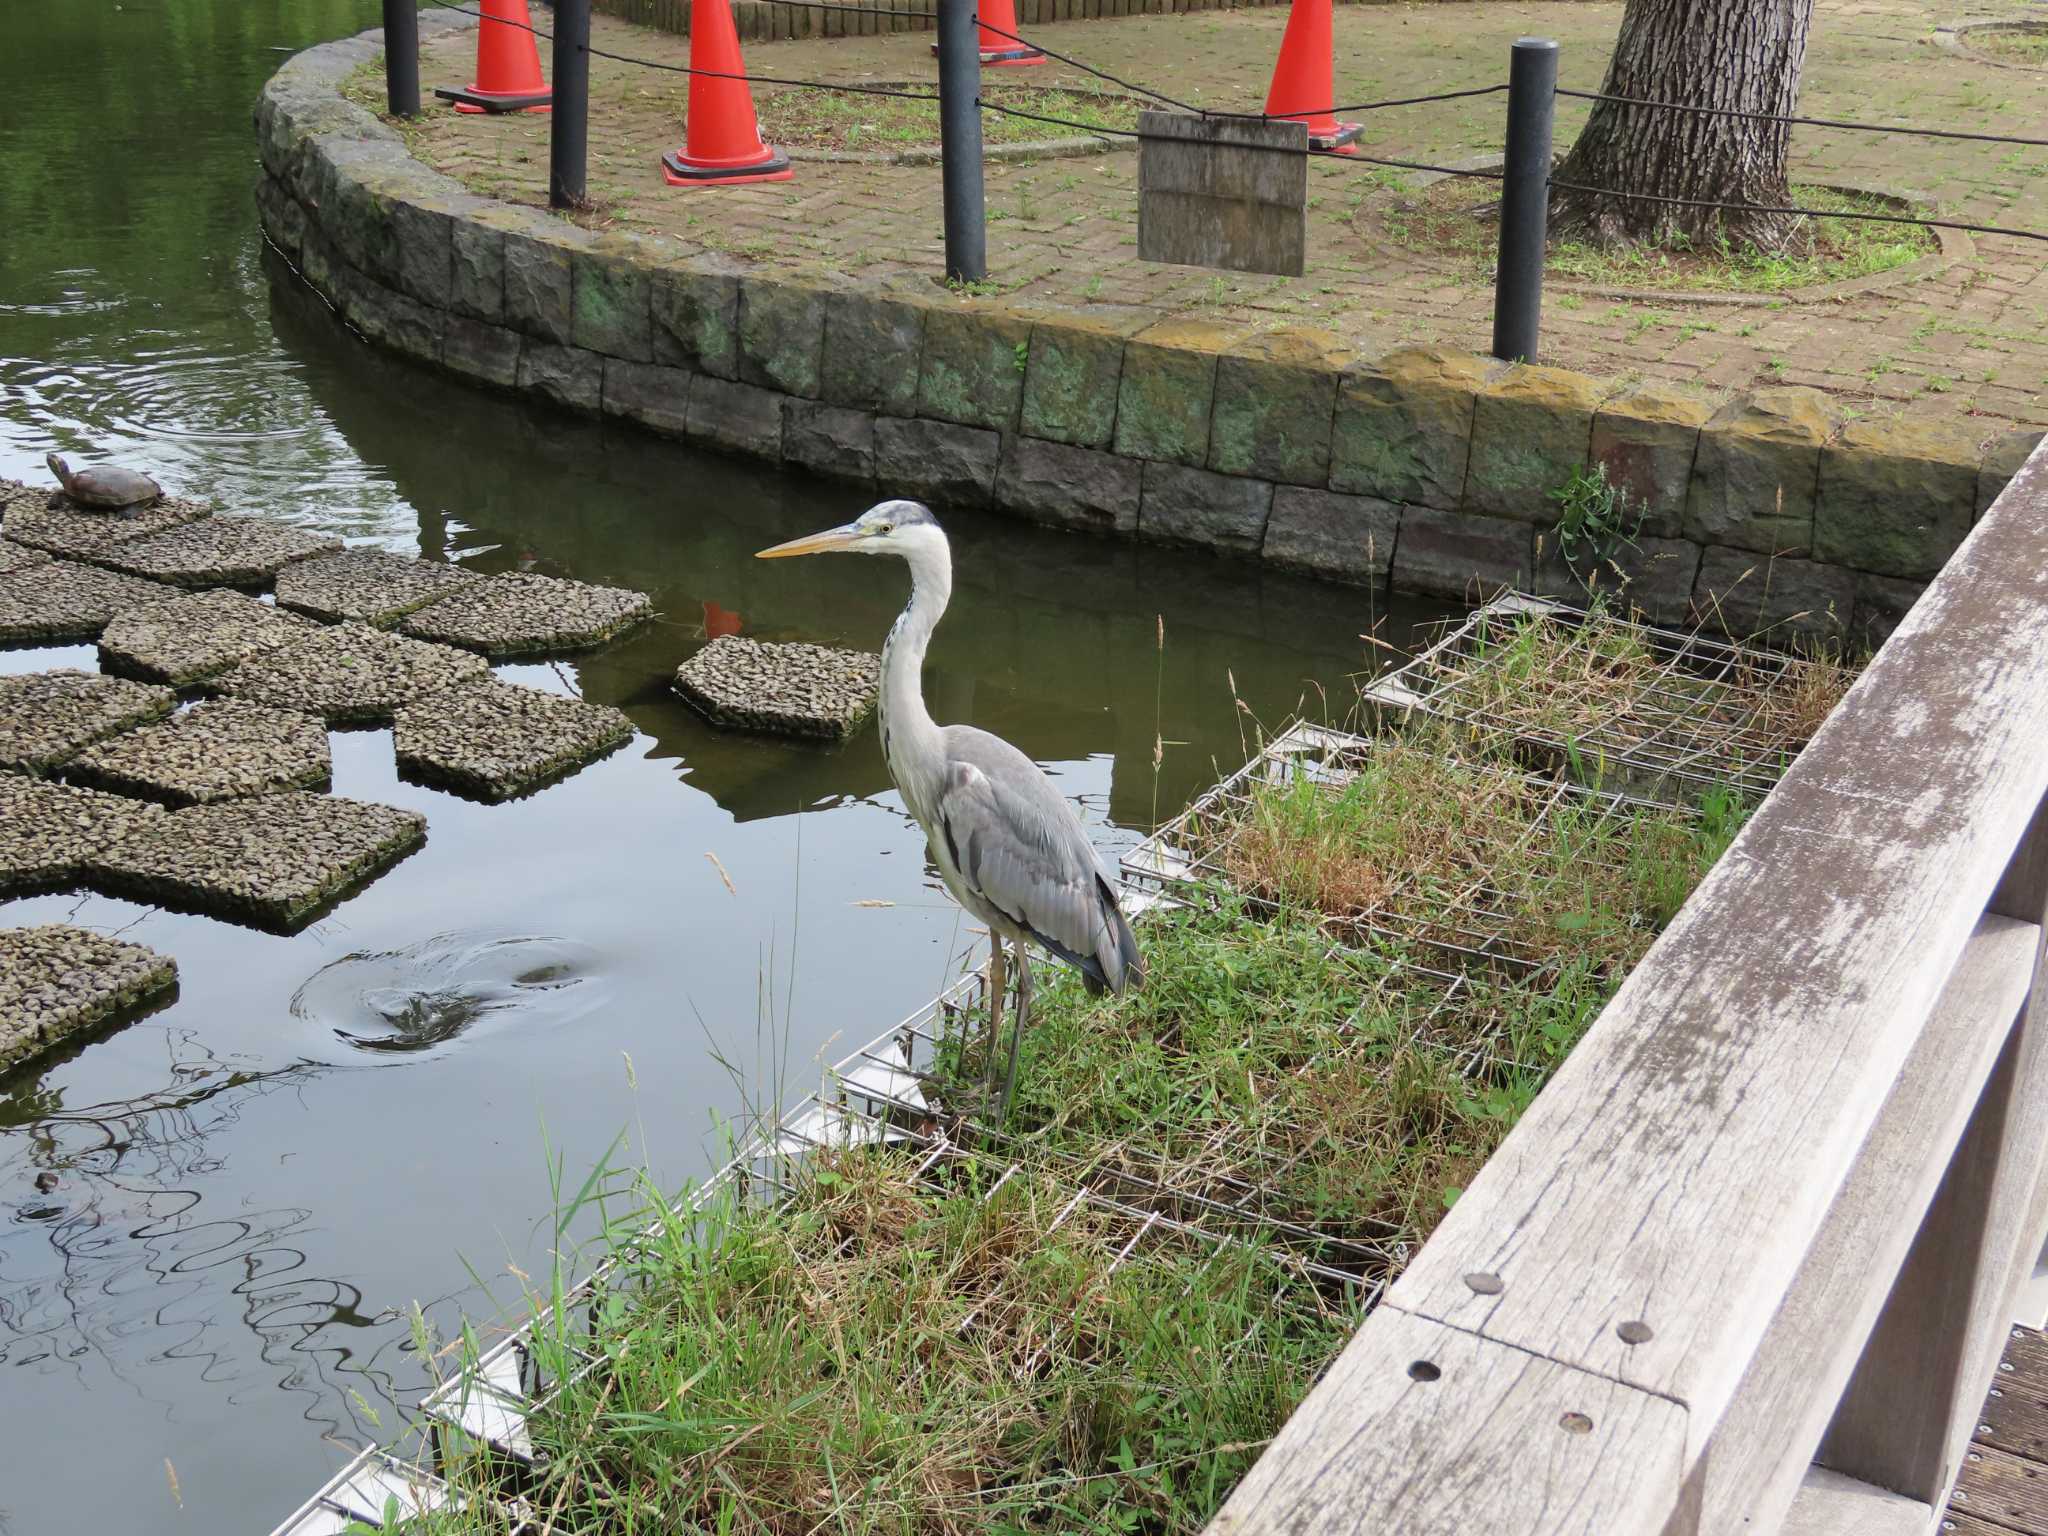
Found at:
[1304, 84]
[507, 64]
[721, 135]
[1000, 43]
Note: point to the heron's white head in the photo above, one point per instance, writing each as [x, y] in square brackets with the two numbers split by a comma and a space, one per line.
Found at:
[905, 529]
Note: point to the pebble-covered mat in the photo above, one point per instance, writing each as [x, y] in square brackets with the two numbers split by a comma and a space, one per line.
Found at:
[12, 491]
[373, 586]
[273, 861]
[785, 689]
[350, 674]
[62, 600]
[494, 739]
[68, 530]
[47, 717]
[46, 830]
[220, 750]
[219, 552]
[196, 635]
[526, 614]
[57, 980]
[19, 557]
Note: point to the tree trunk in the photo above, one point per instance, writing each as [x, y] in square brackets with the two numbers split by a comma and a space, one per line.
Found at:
[1742, 55]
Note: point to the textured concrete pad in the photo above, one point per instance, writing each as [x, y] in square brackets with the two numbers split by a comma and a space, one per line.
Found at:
[62, 600]
[350, 674]
[218, 552]
[57, 980]
[47, 717]
[788, 690]
[524, 614]
[273, 861]
[13, 491]
[220, 750]
[19, 557]
[63, 529]
[194, 636]
[495, 740]
[47, 830]
[369, 585]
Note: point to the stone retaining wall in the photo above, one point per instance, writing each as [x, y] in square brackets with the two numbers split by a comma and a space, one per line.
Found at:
[1429, 468]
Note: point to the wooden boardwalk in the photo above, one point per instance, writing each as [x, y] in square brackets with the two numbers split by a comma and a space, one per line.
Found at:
[2003, 1488]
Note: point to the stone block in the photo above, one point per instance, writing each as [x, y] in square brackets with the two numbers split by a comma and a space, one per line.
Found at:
[1070, 487]
[1071, 376]
[476, 269]
[1403, 426]
[2002, 460]
[1275, 396]
[1896, 497]
[283, 220]
[781, 333]
[1751, 596]
[392, 320]
[1650, 576]
[1754, 477]
[1881, 606]
[1460, 554]
[1532, 428]
[696, 308]
[739, 418]
[1337, 537]
[355, 217]
[936, 461]
[566, 375]
[874, 345]
[1647, 440]
[1194, 506]
[1166, 391]
[480, 351]
[608, 298]
[829, 439]
[648, 393]
[972, 369]
[538, 284]
[422, 242]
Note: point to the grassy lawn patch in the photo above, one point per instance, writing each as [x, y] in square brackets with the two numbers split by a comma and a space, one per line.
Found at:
[834, 120]
[2018, 45]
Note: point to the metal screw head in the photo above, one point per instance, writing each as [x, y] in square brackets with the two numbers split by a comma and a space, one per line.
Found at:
[1424, 1370]
[1634, 1332]
[1576, 1423]
[1484, 1284]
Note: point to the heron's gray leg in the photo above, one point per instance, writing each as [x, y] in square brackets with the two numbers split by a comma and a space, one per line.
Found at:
[997, 983]
[1016, 1031]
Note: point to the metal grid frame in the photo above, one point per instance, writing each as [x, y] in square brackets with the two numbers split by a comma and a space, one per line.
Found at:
[1695, 720]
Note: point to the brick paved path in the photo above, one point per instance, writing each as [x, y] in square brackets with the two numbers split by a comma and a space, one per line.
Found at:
[1972, 338]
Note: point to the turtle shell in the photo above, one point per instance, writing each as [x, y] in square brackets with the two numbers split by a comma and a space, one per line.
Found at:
[105, 485]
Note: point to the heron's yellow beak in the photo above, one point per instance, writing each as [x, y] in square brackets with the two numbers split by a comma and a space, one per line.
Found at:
[812, 543]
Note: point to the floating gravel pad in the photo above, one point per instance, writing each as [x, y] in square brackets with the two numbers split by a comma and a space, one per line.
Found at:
[790, 690]
[221, 750]
[494, 739]
[46, 830]
[19, 557]
[62, 600]
[12, 491]
[273, 861]
[350, 674]
[219, 552]
[369, 585]
[194, 636]
[47, 717]
[525, 614]
[57, 980]
[63, 529]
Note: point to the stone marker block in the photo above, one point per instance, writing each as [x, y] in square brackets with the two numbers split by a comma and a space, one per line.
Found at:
[1647, 440]
[492, 740]
[873, 348]
[1461, 554]
[829, 440]
[1069, 487]
[569, 376]
[63, 600]
[740, 418]
[782, 334]
[1072, 375]
[1275, 396]
[972, 370]
[1896, 497]
[1223, 192]
[1193, 506]
[1753, 480]
[192, 637]
[372, 586]
[1532, 428]
[523, 613]
[936, 462]
[1403, 426]
[785, 690]
[218, 552]
[1882, 603]
[48, 718]
[1339, 538]
[1653, 577]
[1750, 596]
[57, 981]
[1166, 391]
[654, 396]
[47, 830]
[349, 674]
[2002, 460]
[696, 307]
[610, 311]
[222, 749]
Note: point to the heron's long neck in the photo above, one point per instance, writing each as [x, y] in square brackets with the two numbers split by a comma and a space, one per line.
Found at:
[907, 725]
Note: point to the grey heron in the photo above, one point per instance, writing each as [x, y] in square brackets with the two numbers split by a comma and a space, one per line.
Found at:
[1007, 844]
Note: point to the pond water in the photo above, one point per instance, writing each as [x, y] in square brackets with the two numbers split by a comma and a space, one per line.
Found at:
[213, 1220]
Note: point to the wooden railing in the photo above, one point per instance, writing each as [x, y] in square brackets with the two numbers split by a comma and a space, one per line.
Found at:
[1747, 1262]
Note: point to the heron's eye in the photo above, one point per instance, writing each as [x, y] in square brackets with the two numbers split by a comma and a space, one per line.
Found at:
[885, 528]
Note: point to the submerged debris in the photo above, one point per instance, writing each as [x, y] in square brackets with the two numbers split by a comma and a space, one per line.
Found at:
[47, 830]
[786, 689]
[494, 739]
[525, 614]
[372, 586]
[62, 600]
[219, 551]
[63, 529]
[220, 750]
[350, 674]
[57, 980]
[48, 717]
[192, 637]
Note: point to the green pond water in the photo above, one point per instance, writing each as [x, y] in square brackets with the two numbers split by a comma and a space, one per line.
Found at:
[213, 1220]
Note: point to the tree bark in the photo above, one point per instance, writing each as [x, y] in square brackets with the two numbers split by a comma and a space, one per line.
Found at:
[1741, 55]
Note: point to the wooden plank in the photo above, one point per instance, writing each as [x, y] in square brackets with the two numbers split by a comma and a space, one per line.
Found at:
[1956, 1523]
[2014, 1416]
[1446, 1453]
[1830, 1504]
[1222, 192]
[2003, 1489]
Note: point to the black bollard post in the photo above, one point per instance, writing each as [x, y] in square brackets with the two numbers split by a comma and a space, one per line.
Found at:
[1525, 200]
[569, 129]
[960, 141]
[402, 57]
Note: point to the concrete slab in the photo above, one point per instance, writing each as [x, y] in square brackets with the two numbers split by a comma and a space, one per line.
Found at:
[49, 717]
[193, 636]
[63, 600]
[217, 552]
[47, 830]
[782, 689]
[220, 750]
[350, 674]
[372, 586]
[494, 740]
[525, 614]
[58, 980]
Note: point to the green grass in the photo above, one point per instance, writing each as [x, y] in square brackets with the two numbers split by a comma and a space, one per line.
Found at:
[2019, 47]
[831, 120]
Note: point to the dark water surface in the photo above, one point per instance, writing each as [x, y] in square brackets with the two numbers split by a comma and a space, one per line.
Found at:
[213, 1221]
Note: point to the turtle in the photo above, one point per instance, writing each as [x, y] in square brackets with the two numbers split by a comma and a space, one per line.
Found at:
[103, 486]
